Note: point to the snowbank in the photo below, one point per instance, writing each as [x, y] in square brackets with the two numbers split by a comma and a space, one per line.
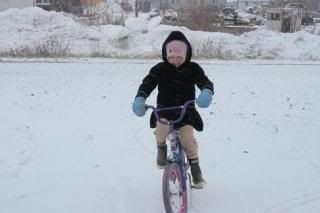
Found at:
[32, 28]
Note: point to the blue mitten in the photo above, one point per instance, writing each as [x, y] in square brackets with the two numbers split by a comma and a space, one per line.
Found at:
[138, 106]
[205, 98]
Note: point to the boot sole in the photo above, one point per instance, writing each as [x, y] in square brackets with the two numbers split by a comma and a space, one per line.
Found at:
[199, 185]
[160, 167]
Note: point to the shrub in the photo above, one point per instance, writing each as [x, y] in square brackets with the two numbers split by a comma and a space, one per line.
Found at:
[53, 46]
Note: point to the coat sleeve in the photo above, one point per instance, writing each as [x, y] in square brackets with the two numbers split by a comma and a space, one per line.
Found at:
[149, 83]
[201, 80]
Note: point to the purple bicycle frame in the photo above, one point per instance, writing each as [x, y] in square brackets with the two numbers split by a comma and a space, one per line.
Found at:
[170, 123]
[179, 156]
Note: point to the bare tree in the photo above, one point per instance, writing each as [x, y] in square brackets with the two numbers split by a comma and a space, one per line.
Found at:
[136, 8]
[200, 18]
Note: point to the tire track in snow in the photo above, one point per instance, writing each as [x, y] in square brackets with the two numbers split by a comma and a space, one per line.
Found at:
[290, 204]
[16, 152]
[137, 138]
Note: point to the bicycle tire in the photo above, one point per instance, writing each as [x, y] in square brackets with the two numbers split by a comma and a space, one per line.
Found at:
[174, 192]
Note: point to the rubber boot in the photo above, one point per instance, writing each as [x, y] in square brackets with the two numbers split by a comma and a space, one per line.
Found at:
[161, 155]
[197, 178]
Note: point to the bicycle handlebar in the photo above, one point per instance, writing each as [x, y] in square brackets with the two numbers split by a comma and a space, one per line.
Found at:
[182, 107]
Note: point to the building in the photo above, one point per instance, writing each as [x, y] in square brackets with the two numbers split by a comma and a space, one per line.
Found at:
[204, 3]
[73, 6]
[6, 4]
[286, 20]
[245, 4]
[44, 4]
[310, 5]
[313, 5]
[177, 4]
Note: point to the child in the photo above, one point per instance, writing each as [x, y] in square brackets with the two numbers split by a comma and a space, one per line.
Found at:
[176, 78]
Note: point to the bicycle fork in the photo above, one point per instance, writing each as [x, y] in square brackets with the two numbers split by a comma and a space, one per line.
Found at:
[177, 154]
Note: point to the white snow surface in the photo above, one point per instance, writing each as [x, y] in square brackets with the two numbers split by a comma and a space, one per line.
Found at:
[143, 38]
[70, 142]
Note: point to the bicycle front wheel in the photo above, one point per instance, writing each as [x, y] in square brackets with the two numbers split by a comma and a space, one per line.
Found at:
[174, 192]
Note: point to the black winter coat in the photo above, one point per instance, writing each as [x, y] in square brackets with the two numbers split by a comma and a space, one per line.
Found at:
[176, 85]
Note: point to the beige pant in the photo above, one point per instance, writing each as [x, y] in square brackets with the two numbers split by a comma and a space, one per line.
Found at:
[188, 140]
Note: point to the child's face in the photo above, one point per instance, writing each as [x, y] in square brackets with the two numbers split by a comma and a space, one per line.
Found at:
[175, 60]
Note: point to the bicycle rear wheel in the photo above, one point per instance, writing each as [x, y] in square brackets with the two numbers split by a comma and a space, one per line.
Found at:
[174, 190]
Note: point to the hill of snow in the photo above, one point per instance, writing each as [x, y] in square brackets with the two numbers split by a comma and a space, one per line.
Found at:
[32, 30]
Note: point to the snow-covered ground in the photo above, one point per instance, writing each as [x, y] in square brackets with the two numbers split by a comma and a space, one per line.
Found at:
[70, 143]
[32, 30]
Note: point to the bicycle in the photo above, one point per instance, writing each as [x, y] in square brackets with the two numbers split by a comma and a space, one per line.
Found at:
[176, 175]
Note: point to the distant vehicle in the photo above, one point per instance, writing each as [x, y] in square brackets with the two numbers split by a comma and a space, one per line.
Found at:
[126, 6]
[316, 20]
[243, 20]
[154, 12]
[236, 19]
[228, 10]
[170, 14]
